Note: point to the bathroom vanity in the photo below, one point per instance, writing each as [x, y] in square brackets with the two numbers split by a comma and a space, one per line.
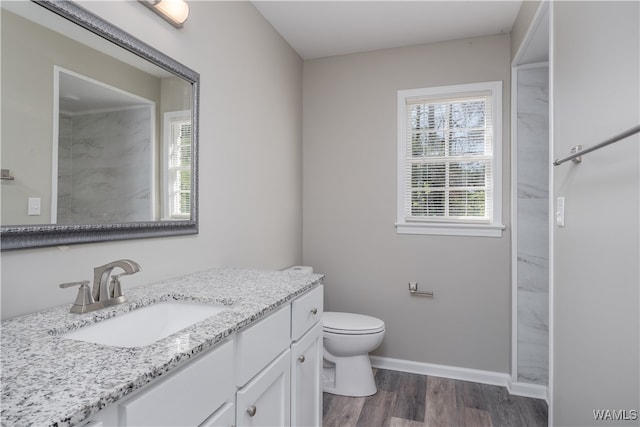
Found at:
[256, 362]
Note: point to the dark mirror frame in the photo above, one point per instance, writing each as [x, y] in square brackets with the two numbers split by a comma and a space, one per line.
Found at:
[22, 237]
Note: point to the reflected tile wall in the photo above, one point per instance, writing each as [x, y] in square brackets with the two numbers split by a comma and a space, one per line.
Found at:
[109, 168]
[532, 223]
[65, 125]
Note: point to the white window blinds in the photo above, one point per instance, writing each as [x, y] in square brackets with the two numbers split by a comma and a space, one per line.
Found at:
[179, 168]
[449, 158]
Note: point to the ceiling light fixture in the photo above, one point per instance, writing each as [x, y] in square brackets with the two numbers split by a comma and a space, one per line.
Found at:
[174, 12]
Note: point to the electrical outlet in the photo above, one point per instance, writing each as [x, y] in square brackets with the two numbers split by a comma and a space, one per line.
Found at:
[34, 206]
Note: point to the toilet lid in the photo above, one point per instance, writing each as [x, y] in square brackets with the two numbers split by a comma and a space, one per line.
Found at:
[350, 323]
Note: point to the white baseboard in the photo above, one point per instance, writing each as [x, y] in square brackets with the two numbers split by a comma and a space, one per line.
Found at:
[464, 374]
[536, 391]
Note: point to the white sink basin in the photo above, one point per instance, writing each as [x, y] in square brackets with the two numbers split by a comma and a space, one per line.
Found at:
[146, 325]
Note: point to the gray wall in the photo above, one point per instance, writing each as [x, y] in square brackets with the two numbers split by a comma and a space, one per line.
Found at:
[349, 201]
[250, 159]
[596, 358]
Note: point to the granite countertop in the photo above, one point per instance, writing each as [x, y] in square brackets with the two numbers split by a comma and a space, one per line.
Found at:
[50, 380]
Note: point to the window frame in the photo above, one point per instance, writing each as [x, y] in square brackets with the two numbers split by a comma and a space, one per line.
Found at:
[444, 226]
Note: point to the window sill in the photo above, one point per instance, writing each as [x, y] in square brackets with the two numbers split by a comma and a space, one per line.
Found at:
[470, 230]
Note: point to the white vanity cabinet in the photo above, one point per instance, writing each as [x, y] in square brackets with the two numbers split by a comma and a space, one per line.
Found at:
[187, 398]
[268, 374]
[263, 371]
[306, 374]
[192, 395]
[266, 399]
[306, 359]
[223, 417]
[289, 343]
[261, 343]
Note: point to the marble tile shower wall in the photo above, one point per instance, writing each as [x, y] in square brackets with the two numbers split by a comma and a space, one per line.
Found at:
[532, 223]
[65, 126]
[104, 168]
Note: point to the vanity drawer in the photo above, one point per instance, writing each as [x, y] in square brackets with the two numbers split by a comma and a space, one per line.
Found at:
[187, 397]
[306, 311]
[262, 342]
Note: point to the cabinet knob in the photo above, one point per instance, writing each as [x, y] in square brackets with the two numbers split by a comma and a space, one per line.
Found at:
[301, 358]
[314, 310]
[251, 410]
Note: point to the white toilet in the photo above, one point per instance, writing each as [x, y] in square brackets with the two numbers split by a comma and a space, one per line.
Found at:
[348, 338]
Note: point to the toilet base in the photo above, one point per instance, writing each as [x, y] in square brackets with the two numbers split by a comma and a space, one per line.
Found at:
[352, 376]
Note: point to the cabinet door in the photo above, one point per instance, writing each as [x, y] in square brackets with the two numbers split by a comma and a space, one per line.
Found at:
[266, 399]
[306, 389]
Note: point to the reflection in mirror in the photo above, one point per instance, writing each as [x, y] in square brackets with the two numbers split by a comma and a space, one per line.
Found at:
[105, 144]
[177, 164]
[98, 137]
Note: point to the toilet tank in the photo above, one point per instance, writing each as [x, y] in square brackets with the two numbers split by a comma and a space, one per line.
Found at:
[300, 269]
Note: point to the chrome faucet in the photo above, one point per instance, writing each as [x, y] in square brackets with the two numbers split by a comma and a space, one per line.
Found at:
[104, 293]
[111, 295]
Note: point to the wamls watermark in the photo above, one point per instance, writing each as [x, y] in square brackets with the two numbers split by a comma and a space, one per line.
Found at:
[615, 414]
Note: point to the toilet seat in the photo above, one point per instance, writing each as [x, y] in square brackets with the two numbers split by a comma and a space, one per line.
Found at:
[351, 324]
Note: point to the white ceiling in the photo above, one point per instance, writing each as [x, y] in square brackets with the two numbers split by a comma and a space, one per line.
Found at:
[81, 95]
[317, 29]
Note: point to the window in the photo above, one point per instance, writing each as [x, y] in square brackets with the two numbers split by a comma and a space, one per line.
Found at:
[177, 203]
[449, 160]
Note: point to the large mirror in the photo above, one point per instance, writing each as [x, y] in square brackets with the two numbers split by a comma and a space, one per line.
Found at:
[99, 131]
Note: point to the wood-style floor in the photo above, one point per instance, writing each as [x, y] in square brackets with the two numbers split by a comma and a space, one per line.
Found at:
[412, 400]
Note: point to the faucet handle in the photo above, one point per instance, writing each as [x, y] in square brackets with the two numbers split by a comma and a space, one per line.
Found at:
[84, 297]
[115, 288]
[70, 284]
